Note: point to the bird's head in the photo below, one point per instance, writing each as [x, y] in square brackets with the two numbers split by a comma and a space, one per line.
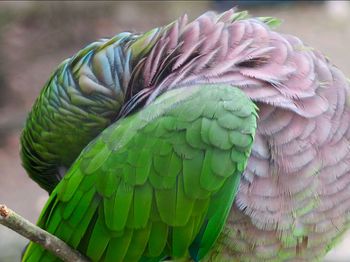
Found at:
[81, 98]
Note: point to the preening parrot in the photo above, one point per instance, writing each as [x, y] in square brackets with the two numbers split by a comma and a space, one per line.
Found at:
[213, 140]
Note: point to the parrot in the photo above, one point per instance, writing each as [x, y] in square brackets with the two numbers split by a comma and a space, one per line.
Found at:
[217, 139]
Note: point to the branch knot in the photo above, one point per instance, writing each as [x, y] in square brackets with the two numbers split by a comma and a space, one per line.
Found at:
[4, 211]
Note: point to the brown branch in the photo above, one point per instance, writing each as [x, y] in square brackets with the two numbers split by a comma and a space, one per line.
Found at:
[30, 231]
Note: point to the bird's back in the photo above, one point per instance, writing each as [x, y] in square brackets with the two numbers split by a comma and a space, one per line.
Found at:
[294, 198]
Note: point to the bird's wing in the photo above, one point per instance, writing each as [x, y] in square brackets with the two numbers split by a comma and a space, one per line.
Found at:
[159, 182]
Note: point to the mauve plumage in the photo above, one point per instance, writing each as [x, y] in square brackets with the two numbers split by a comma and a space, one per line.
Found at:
[293, 201]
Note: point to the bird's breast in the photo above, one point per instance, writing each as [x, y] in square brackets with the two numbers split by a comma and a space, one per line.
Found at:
[295, 193]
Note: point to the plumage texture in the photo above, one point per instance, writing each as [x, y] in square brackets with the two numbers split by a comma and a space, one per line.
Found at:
[293, 200]
[140, 188]
[81, 98]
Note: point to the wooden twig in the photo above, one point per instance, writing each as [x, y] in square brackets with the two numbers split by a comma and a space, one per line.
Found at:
[30, 231]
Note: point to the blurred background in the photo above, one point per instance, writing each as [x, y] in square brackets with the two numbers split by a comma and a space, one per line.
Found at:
[36, 36]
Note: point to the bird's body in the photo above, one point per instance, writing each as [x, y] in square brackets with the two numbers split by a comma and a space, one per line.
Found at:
[291, 202]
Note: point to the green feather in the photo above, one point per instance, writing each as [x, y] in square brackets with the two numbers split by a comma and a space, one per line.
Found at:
[182, 238]
[83, 206]
[71, 205]
[184, 204]
[193, 135]
[98, 241]
[55, 220]
[81, 229]
[219, 208]
[97, 161]
[157, 239]
[143, 44]
[138, 243]
[109, 184]
[143, 166]
[217, 158]
[161, 182]
[72, 181]
[218, 136]
[118, 247]
[205, 127]
[208, 180]
[175, 165]
[122, 203]
[166, 204]
[191, 178]
[161, 164]
[241, 140]
[129, 174]
[272, 22]
[142, 206]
